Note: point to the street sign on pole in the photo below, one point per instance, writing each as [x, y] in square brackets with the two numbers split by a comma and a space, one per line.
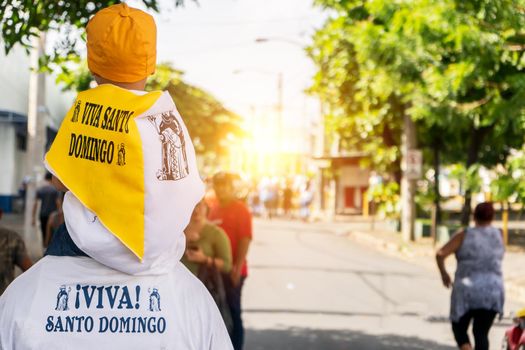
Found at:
[414, 164]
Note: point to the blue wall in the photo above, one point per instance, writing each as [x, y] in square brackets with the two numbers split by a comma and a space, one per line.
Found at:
[6, 204]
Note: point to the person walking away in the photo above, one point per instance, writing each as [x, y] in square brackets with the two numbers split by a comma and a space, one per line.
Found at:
[112, 277]
[208, 256]
[12, 253]
[477, 289]
[49, 200]
[287, 199]
[274, 199]
[22, 190]
[56, 219]
[233, 216]
[305, 200]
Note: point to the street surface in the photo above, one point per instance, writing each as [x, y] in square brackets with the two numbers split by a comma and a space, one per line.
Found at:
[311, 287]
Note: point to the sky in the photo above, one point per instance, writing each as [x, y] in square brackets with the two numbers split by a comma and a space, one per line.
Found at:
[214, 43]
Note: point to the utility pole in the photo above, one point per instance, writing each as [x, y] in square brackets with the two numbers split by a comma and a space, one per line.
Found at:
[36, 128]
[321, 150]
[408, 184]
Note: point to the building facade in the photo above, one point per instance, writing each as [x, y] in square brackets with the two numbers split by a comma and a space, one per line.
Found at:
[14, 73]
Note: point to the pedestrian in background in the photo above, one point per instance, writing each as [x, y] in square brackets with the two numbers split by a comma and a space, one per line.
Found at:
[274, 201]
[12, 252]
[208, 256]
[477, 289]
[49, 199]
[287, 199]
[56, 219]
[207, 244]
[22, 190]
[233, 216]
[305, 200]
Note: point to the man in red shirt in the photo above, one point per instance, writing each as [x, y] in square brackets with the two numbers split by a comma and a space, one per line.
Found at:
[233, 216]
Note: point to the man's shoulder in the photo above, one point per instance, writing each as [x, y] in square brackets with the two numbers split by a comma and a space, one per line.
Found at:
[188, 288]
[9, 235]
[185, 283]
[192, 298]
[25, 285]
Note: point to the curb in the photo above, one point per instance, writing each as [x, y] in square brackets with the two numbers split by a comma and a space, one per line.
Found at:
[370, 240]
[514, 286]
[402, 250]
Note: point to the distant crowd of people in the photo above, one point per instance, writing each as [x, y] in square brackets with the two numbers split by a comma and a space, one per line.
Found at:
[290, 198]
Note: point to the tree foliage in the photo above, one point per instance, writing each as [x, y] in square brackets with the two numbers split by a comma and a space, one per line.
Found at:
[454, 66]
[209, 123]
[508, 186]
[20, 20]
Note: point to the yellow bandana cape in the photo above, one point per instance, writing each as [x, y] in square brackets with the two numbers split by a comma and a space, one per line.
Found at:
[98, 156]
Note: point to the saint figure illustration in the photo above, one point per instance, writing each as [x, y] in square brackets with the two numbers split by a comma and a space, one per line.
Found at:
[76, 112]
[121, 155]
[62, 299]
[154, 300]
[174, 160]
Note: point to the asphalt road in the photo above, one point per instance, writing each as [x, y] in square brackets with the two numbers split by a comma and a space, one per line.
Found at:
[311, 287]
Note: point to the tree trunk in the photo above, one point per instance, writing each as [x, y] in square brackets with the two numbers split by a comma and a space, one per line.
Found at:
[393, 137]
[389, 141]
[476, 141]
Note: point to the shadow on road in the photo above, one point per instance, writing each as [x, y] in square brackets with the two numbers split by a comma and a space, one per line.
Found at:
[314, 339]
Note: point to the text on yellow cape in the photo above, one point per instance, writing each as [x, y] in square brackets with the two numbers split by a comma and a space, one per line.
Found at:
[97, 154]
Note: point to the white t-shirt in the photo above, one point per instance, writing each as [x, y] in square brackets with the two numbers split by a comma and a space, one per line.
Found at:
[78, 303]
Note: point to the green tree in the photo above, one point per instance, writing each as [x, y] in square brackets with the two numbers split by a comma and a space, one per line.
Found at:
[508, 186]
[455, 67]
[22, 20]
[208, 121]
[210, 124]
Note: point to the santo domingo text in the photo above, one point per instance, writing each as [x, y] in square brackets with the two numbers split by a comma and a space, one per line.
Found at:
[91, 148]
[79, 324]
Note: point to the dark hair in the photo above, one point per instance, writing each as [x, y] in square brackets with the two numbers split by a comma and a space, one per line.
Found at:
[484, 212]
[48, 176]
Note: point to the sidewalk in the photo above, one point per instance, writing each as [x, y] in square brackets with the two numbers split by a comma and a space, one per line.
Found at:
[423, 252]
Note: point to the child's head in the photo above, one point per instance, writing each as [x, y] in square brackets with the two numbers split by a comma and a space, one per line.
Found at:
[121, 45]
